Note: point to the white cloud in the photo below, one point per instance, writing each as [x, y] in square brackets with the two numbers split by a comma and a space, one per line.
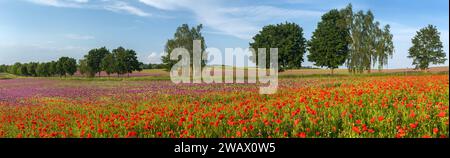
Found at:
[154, 58]
[125, 7]
[168, 4]
[110, 5]
[79, 37]
[61, 3]
[239, 22]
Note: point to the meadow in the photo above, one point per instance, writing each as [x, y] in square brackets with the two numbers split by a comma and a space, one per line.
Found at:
[312, 105]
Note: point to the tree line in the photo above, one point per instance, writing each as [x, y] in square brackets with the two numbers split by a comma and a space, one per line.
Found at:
[341, 37]
[347, 37]
[120, 61]
[62, 67]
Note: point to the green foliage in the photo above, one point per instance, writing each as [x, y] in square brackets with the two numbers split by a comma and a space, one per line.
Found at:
[66, 65]
[121, 61]
[70, 66]
[183, 38]
[51, 68]
[94, 59]
[43, 69]
[427, 48]
[31, 67]
[329, 44]
[3, 68]
[23, 70]
[153, 66]
[125, 61]
[370, 44]
[84, 68]
[109, 64]
[288, 38]
[384, 48]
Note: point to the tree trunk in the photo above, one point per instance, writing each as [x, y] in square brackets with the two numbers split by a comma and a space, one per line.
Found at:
[128, 75]
[332, 71]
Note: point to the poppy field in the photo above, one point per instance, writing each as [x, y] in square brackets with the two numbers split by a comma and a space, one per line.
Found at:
[414, 106]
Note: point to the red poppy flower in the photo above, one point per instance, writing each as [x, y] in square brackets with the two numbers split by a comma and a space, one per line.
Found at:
[441, 114]
[380, 118]
[413, 125]
[435, 130]
[356, 129]
[301, 135]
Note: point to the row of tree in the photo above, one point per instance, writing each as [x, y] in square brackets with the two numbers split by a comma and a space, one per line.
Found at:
[153, 66]
[64, 66]
[341, 37]
[120, 61]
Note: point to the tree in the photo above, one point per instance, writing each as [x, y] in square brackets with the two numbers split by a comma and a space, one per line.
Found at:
[66, 65]
[370, 45]
[48, 67]
[132, 62]
[328, 46]
[126, 61]
[184, 38]
[109, 64]
[288, 38]
[121, 60]
[94, 59]
[60, 67]
[70, 66]
[42, 69]
[3, 68]
[16, 68]
[84, 68]
[52, 68]
[24, 70]
[32, 69]
[427, 48]
[384, 47]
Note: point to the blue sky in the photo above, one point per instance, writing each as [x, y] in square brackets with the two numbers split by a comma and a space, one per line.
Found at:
[44, 30]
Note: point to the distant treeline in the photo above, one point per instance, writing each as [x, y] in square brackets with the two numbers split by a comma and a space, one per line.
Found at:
[120, 61]
[64, 66]
[153, 66]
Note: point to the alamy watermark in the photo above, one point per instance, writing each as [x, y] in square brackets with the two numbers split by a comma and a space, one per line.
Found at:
[264, 73]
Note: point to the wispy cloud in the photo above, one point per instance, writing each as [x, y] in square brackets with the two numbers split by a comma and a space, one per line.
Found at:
[120, 6]
[79, 37]
[61, 3]
[241, 22]
[110, 5]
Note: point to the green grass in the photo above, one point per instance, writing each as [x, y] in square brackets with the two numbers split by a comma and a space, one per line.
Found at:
[159, 74]
[4, 76]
